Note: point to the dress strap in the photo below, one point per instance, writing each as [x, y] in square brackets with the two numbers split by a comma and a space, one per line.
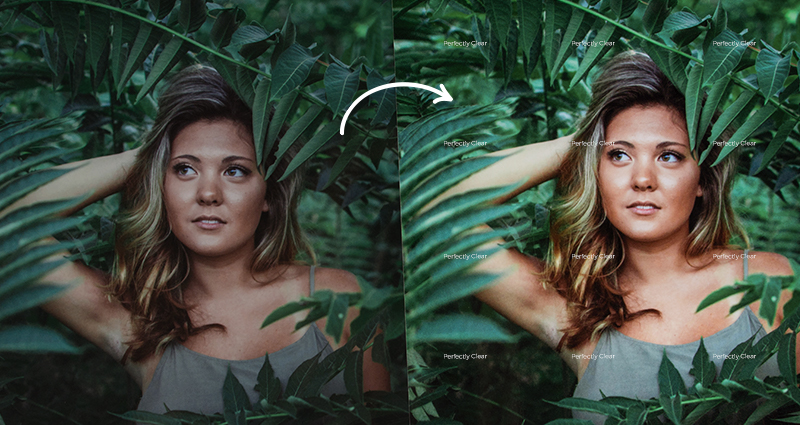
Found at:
[745, 263]
[311, 280]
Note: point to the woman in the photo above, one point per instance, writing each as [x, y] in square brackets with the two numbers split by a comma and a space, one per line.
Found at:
[205, 252]
[639, 236]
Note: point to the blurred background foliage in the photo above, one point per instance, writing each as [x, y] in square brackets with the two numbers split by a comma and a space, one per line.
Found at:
[103, 90]
[526, 98]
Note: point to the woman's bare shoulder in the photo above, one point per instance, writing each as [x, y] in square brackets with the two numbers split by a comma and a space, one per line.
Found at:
[768, 263]
[336, 280]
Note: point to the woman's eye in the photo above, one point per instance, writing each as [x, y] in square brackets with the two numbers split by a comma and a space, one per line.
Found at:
[236, 172]
[671, 157]
[618, 155]
[183, 169]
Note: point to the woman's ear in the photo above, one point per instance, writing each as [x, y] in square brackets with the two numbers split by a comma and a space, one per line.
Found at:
[699, 191]
[265, 207]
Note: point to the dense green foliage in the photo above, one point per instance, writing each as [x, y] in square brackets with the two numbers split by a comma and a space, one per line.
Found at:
[530, 82]
[79, 79]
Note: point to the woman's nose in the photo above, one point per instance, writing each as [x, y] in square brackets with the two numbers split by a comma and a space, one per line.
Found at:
[644, 177]
[208, 192]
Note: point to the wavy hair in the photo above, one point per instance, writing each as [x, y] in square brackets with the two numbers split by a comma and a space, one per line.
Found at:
[586, 250]
[151, 263]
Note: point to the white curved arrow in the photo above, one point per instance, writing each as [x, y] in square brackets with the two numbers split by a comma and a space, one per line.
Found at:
[445, 97]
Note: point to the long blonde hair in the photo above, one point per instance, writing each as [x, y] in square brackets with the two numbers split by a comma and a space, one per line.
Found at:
[151, 263]
[586, 250]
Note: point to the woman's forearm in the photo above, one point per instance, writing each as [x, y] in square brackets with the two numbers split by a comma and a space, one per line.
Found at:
[95, 177]
[526, 166]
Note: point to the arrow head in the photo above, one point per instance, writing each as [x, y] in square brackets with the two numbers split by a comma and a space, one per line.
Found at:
[445, 96]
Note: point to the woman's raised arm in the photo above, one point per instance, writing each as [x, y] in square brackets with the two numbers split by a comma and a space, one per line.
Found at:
[84, 307]
[530, 165]
[95, 177]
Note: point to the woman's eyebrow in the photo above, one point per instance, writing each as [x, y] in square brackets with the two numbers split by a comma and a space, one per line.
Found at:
[663, 145]
[226, 160]
[234, 158]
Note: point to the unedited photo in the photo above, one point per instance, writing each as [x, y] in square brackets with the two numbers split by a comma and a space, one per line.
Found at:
[600, 217]
[187, 236]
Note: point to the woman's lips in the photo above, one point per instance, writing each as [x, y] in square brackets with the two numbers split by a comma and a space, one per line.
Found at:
[643, 208]
[208, 223]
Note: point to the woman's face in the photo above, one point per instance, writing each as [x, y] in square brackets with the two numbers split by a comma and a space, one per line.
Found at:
[213, 193]
[647, 178]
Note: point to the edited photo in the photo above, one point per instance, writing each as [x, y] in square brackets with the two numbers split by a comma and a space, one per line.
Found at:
[600, 224]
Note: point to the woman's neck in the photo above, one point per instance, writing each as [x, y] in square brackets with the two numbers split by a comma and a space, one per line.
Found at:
[215, 276]
[653, 262]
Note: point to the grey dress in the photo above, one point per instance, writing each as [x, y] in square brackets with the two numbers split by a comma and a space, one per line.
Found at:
[187, 380]
[628, 367]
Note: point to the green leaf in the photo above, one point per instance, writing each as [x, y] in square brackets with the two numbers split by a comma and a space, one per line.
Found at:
[730, 113]
[35, 232]
[749, 126]
[670, 382]
[337, 314]
[723, 55]
[169, 57]
[566, 422]
[235, 400]
[303, 378]
[772, 71]
[693, 104]
[66, 18]
[11, 146]
[192, 15]
[32, 339]
[596, 51]
[774, 145]
[161, 8]
[282, 111]
[287, 37]
[18, 188]
[422, 255]
[146, 40]
[636, 414]
[448, 291]
[341, 85]
[386, 98]
[594, 406]
[125, 30]
[556, 16]
[720, 294]
[261, 111]
[98, 23]
[26, 216]
[267, 384]
[28, 275]
[291, 70]
[703, 368]
[654, 15]
[313, 145]
[353, 375]
[287, 310]
[291, 135]
[28, 298]
[769, 300]
[698, 412]
[460, 328]
[787, 358]
[766, 408]
[443, 180]
[349, 152]
[530, 25]
[680, 21]
[672, 407]
[735, 362]
[719, 91]
[566, 46]
[226, 24]
[498, 12]
[623, 8]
